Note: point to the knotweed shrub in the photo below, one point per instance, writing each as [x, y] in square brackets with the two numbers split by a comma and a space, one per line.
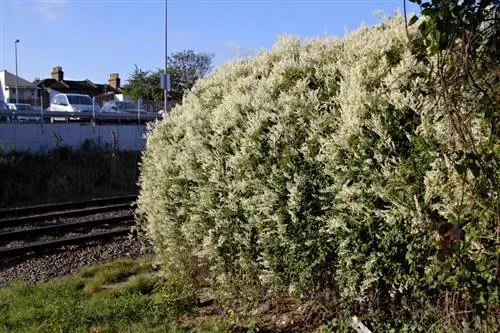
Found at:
[317, 165]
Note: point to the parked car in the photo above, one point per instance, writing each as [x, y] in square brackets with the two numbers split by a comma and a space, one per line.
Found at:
[121, 107]
[72, 103]
[25, 109]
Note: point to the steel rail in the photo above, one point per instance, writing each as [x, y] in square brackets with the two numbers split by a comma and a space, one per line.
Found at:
[17, 221]
[56, 228]
[54, 244]
[38, 209]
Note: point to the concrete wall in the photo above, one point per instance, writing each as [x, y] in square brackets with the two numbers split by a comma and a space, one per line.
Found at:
[42, 138]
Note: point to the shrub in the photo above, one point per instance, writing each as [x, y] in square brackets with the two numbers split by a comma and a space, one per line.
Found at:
[322, 165]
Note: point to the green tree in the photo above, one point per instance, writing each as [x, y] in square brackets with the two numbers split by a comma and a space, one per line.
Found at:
[144, 84]
[185, 68]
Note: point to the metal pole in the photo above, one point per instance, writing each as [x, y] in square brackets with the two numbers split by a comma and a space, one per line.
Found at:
[17, 78]
[93, 111]
[139, 111]
[41, 103]
[165, 92]
[42, 120]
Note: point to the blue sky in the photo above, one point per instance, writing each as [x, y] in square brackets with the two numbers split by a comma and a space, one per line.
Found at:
[92, 38]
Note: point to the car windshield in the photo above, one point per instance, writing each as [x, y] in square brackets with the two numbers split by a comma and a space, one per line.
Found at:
[126, 105]
[79, 100]
[23, 107]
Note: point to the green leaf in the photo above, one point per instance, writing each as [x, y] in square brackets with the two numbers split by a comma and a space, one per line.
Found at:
[423, 28]
[427, 12]
[413, 19]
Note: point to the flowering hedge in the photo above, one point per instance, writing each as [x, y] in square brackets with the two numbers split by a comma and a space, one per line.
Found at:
[319, 165]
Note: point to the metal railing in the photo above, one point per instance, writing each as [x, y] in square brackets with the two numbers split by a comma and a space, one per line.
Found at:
[97, 117]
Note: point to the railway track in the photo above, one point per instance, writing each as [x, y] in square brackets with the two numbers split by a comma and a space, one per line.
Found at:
[72, 205]
[44, 228]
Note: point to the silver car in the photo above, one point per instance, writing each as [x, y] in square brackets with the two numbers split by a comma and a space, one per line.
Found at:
[121, 107]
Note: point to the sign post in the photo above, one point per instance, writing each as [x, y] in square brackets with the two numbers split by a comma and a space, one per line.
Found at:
[165, 85]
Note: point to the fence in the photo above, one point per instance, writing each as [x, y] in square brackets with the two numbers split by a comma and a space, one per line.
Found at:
[148, 105]
[43, 138]
[92, 117]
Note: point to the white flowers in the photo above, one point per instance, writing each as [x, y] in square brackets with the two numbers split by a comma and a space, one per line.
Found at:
[275, 162]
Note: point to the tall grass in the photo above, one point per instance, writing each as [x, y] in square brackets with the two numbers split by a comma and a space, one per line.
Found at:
[66, 174]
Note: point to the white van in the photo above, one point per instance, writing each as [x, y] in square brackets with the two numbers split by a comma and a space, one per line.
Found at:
[72, 103]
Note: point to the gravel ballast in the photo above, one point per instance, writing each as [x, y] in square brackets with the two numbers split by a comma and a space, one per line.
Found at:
[68, 260]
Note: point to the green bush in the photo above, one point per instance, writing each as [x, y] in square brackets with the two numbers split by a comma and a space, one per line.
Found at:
[323, 165]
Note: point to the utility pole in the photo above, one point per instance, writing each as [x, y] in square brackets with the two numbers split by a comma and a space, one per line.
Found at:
[17, 77]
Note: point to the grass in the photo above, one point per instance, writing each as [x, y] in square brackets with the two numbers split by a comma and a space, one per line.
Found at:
[117, 297]
[81, 303]
[97, 276]
[129, 296]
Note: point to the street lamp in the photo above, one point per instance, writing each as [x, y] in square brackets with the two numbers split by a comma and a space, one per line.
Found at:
[165, 88]
[17, 78]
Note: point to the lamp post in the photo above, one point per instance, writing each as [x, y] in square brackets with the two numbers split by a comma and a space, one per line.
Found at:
[17, 78]
[165, 91]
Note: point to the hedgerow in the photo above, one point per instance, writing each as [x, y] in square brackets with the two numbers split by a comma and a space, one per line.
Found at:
[328, 165]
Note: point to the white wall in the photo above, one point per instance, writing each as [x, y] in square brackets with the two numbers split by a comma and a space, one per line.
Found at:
[42, 138]
[25, 93]
[3, 93]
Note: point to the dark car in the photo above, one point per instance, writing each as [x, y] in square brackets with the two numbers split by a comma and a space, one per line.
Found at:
[27, 110]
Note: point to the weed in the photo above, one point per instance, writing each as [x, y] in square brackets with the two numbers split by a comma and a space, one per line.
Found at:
[66, 174]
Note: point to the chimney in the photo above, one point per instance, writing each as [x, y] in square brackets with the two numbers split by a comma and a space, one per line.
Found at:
[114, 80]
[57, 73]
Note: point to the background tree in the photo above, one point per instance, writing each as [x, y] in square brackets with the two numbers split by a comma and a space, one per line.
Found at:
[144, 84]
[184, 67]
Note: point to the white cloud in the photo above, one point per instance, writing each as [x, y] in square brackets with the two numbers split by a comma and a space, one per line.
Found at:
[50, 10]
